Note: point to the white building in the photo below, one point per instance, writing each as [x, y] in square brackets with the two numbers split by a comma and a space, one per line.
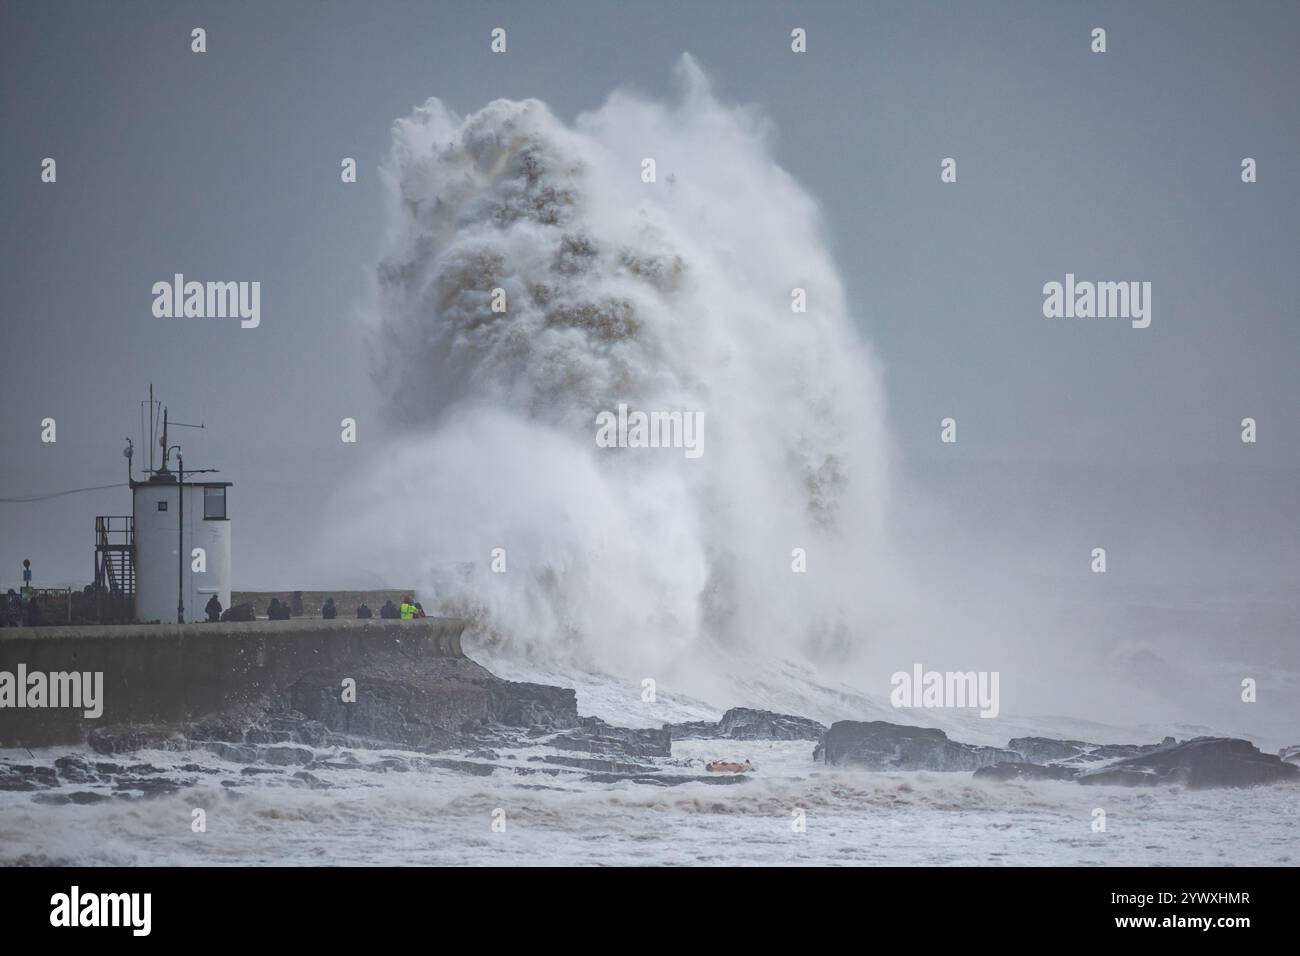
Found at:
[182, 546]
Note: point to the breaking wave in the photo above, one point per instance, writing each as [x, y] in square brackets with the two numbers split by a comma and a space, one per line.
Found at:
[671, 296]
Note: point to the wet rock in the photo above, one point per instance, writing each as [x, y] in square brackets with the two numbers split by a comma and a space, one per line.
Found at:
[422, 709]
[75, 769]
[598, 766]
[84, 797]
[460, 766]
[153, 786]
[346, 761]
[744, 723]
[1025, 771]
[1199, 763]
[14, 780]
[287, 756]
[235, 753]
[1290, 754]
[596, 736]
[299, 728]
[1044, 750]
[880, 745]
[258, 735]
[385, 764]
[79, 797]
[228, 729]
[18, 773]
[520, 704]
[309, 780]
[529, 771]
[120, 740]
[256, 771]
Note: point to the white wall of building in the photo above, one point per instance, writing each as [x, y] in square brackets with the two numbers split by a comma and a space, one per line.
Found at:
[156, 559]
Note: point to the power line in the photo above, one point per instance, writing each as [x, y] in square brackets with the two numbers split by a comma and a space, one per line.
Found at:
[59, 494]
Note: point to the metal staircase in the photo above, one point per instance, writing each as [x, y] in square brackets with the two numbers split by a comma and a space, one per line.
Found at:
[115, 555]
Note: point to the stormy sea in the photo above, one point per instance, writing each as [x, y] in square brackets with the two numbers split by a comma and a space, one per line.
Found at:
[615, 791]
[635, 614]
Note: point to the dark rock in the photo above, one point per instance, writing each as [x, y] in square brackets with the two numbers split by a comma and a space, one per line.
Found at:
[228, 729]
[384, 765]
[18, 773]
[1198, 763]
[79, 797]
[1025, 771]
[259, 735]
[285, 756]
[1290, 754]
[879, 745]
[14, 781]
[235, 753]
[309, 780]
[88, 797]
[744, 723]
[460, 766]
[597, 766]
[1042, 750]
[75, 769]
[430, 703]
[120, 740]
[152, 786]
[52, 799]
[519, 704]
[596, 736]
[299, 729]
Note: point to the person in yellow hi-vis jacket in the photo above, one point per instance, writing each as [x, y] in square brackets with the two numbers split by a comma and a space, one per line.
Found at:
[408, 609]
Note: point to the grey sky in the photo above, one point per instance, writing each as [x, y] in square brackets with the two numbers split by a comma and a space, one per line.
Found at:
[1116, 166]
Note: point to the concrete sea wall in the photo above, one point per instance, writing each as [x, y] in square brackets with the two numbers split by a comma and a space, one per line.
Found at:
[165, 673]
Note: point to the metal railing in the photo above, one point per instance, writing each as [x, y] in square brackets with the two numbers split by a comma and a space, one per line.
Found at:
[114, 562]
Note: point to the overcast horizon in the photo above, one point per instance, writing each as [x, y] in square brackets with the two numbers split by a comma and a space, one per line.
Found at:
[1110, 167]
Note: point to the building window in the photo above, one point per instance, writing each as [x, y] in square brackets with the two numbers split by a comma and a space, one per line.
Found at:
[162, 506]
[214, 503]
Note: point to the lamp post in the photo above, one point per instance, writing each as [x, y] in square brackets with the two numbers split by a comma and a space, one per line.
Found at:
[180, 539]
[180, 532]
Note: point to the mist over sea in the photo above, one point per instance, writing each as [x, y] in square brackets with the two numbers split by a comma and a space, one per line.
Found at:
[793, 566]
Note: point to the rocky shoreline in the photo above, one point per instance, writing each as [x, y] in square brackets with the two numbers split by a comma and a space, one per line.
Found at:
[452, 713]
[1198, 763]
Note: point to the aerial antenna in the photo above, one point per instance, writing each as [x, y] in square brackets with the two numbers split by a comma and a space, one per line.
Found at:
[163, 441]
[149, 427]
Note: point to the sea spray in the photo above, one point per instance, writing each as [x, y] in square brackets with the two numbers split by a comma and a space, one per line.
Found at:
[532, 279]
